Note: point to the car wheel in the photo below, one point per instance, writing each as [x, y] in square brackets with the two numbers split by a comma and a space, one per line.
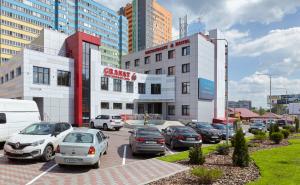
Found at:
[172, 145]
[106, 150]
[92, 125]
[117, 129]
[48, 153]
[97, 164]
[105, 127]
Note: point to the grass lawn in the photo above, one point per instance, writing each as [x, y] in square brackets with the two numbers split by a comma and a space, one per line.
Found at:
[185, 155]
[279, 166]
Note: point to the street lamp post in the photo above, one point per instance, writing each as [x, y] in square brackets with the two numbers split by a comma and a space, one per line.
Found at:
[226, 86]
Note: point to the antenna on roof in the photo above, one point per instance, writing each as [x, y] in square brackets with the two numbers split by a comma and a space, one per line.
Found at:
[183, 26]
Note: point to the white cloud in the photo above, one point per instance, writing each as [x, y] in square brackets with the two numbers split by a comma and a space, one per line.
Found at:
[256, 88]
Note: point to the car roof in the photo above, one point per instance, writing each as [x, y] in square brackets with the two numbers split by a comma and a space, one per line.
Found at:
[84, 130]
[146, 128]
[178, 126]
[45, 122]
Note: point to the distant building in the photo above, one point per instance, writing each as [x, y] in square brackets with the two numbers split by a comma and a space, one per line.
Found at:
[240, 104]
[149, 24]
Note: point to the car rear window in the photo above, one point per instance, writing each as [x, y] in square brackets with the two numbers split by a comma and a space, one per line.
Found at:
[79, 137]
[116, 117]
[184, 130]
[144, 132]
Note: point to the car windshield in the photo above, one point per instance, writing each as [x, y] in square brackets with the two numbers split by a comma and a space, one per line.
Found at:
[184, 130]
[222, 127]
[116, 117]
[144, 132]
[258, 124]
[205, 125]
[39, 129]
[79, 137]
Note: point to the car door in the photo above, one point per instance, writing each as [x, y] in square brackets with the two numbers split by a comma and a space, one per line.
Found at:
[101, 144]
[97, 121]
[105, 140]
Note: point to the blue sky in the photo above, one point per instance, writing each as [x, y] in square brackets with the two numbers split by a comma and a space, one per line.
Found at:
[264, 37]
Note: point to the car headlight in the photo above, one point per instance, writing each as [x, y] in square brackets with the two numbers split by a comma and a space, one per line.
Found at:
[38, 142]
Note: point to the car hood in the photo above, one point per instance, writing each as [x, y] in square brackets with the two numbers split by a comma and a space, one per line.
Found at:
[23, 138]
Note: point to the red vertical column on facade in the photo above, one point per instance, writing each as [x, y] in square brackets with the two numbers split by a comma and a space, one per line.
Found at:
[74, 50]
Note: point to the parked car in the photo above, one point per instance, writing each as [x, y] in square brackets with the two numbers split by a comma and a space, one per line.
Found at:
[15, 115]
[82, 147]
[207, 131]
[107, 122]
[181, 136]
[37, 140]
[146, 140]
[257, 126]
[222, 129]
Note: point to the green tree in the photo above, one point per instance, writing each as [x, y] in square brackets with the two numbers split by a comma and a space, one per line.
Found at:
[261, 111]
[240, 155]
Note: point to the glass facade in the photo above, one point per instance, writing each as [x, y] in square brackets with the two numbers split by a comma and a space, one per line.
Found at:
[86, 68]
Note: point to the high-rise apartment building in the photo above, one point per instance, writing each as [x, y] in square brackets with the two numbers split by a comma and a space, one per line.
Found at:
[67, 16]
[149, 24]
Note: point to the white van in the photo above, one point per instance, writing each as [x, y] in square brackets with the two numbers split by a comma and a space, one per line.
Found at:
[15, 115]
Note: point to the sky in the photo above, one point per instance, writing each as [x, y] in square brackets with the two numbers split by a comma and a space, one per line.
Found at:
[263, 35]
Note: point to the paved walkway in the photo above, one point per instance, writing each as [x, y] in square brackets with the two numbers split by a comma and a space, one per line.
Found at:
[135, 173]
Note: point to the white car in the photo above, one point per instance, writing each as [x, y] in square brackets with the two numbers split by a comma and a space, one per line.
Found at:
[38, 140]
[82, 147]
[107, 122]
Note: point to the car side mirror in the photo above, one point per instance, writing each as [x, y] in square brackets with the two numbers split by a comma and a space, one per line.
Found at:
[130, 131]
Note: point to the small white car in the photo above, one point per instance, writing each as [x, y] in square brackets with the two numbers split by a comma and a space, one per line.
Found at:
[107, 122]
[38, 140]
[82, 147]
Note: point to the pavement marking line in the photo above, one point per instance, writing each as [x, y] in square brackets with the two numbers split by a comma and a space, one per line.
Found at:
[169, 150]
[124, 155]
[42, 174]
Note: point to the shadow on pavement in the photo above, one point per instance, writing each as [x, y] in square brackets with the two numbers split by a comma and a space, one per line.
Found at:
[67, 169]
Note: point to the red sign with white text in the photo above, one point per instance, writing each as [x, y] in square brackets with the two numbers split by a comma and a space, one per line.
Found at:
[178, 43]
[120, 74]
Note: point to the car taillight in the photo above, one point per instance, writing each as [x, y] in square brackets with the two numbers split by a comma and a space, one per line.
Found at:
[161, 141]
[92, 150]
[199, 138]
[140, 139]
[180, 137]
[57, 149]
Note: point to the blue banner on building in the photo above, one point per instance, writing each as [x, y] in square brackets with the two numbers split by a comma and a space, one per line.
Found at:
[206, 89]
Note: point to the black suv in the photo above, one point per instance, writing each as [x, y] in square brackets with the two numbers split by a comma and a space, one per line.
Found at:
[207, 131]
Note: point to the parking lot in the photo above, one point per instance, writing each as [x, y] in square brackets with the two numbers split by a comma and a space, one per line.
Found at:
[111, 170]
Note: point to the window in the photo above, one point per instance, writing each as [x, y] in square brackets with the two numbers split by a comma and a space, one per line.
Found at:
[185, 87]
[41, 75]
[185, 110]
[2, 118]
[129, 106]
[155, 89]
[147, 60]
[171, 54]
[171, 110]
[104, 105]
[171, 70]
[127, 65]
[185, 68]
[117, 105]
[147, 72]
[104, 83]
[129, 87]
[63, 78]
[158, 71]
[186, 51]
[136, 62]
[158, 57]
[6, 77]
[18, 71]
[12, 75]
[142, 88]
[117, 85]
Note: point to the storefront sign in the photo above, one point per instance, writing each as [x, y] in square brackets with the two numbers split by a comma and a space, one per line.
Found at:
[178, 43]
[120, 74]
[206, 89]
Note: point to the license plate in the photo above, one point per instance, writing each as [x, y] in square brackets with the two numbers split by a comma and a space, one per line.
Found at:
[117, 122]
[190, 139]
[17, 151]
[72, 160]
[150, 142]
[215, 137]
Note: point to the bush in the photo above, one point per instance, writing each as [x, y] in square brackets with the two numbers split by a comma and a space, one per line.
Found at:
[250, 144]
[276, 137]
[196, 155]
[297, 124]
[240, 155]
[222, 149]
[232, 141]
[285, 133]
[273, 128]
[292, 129]
[206, 176]
[286, 127]
[260, 136]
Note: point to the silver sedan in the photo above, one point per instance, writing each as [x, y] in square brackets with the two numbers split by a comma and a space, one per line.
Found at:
[82, 147]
